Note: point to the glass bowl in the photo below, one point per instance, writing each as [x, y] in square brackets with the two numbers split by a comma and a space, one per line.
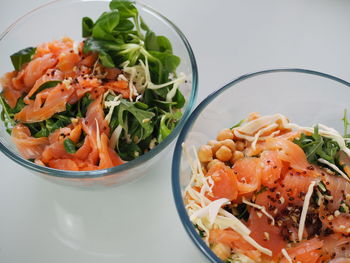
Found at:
[57, 19]
[306, 97]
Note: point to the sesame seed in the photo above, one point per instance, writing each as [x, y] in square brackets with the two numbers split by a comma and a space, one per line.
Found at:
[282, 200]
[266, 236]
[330, 217]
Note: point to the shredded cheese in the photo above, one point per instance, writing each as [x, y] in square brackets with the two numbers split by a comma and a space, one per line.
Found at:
[253, 130]
[76, 47]
[257, 135]
[305, 208]
[198, 210]
[255, 125]
[68, 82]
[98, 136]
[334, 167]
[113, 142]
[111, 104]
[286, 255]
[261, 208]
[243, 228]
[212, 210]
[140, 79]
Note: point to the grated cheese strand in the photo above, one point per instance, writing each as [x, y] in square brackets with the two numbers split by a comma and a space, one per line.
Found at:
[242, 136]
[261, 208]
[257, 135]
[257, 246]
[111, 105]
[243, 228]
[76, 47]
[98, 136]
[113, 142]
[334, 167]
[212, 210]
[286, 255]
[305, 208]
[255, 125]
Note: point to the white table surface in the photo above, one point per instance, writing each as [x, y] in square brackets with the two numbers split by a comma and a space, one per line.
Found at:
[44, 222]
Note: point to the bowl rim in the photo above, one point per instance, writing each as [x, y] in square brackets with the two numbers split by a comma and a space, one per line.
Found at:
[143, 158]
[175, 169]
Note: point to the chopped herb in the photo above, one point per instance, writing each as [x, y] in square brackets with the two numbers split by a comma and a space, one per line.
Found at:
[322, 187]
[238, 124]
[69, 146]
[241, 212]
[262, 189]
[344, 208]
[83, 105]
[199, 231]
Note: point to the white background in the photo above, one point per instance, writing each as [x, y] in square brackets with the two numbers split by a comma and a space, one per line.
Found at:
[43, 222]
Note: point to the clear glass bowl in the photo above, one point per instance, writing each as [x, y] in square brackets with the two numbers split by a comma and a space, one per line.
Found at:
[63, 18]
[306, 97]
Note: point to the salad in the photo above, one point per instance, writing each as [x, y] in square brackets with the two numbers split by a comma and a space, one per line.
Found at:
[97, 103]
[268, 190]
